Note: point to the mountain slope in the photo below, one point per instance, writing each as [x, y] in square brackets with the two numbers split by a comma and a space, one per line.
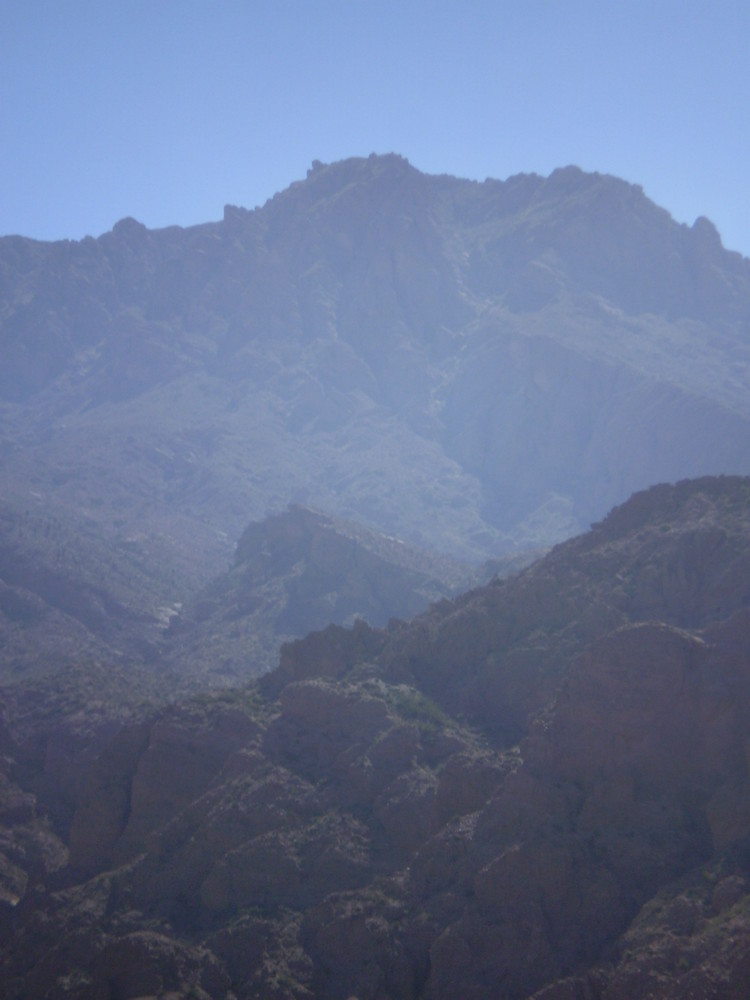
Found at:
[67, 597]
[349, 826]
[293, 573]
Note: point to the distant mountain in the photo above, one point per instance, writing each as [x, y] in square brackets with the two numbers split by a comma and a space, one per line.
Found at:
[474, 368]
[295, 572]
[67, 598]
[539, 788]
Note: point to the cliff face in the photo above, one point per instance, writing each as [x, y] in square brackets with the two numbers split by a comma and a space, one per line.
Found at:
[354, 825]
[677, 554]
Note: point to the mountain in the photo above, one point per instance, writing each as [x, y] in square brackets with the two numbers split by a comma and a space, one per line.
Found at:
[296, 572]
[539, 788]
[472, 367]
[68, 598]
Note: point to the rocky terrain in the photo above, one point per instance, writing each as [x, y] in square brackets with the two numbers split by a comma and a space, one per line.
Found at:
[539, 788]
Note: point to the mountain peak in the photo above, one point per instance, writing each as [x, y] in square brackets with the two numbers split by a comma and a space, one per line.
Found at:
[375, 162]
[129, 227]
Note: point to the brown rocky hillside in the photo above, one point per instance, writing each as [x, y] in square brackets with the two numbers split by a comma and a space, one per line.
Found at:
[540, 788]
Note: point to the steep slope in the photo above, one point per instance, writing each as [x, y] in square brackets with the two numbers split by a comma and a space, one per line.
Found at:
[351, 826]
[471, 367]
[677, 554]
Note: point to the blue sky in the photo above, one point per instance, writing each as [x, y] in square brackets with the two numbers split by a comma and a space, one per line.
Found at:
[166, 110]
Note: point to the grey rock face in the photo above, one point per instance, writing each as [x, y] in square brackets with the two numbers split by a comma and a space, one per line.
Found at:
[472, 367]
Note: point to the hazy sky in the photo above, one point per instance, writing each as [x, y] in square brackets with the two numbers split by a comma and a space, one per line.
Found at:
[168, 109]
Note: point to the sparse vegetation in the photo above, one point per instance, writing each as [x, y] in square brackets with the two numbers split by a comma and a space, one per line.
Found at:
[414, 706]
